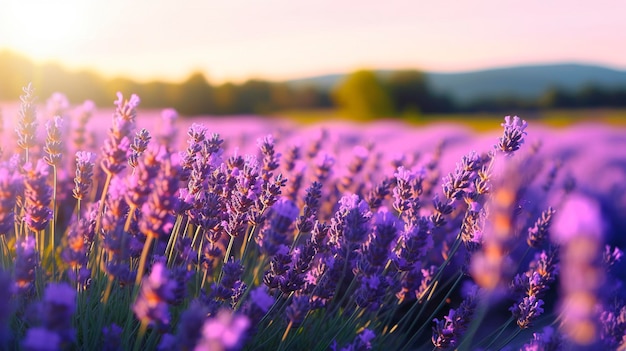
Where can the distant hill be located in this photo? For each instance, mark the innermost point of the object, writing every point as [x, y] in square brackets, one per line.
[520, 81]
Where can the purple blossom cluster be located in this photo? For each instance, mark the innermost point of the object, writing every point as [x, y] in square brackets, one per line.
[298, 241]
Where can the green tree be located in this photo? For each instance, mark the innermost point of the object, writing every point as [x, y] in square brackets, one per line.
[195, 96]
[362, 95]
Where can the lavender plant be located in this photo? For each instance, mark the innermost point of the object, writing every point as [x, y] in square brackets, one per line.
[291, 246]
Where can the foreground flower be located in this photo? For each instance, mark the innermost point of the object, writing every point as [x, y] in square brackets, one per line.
[55, 312]
[84, 174]
[26, 262]
[224, 331]
[5, 305]
[157, 290]
[578, 231]
[38, 196]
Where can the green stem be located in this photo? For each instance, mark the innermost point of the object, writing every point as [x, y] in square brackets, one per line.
[142, 331]
[78, 209]
[142, 260]
[247, 238]
[499, 331]
[54, 215]
[476, 321]
[430, 318]
[105, 189]
[97, 260]
[171, 242]
[226, 257]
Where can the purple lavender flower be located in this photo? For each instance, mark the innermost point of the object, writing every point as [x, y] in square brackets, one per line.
[611, 257]
[513, 136]
[448, 331]
[224, 331]
[231, 287]
[362, 342]
[538, 234]
[578, 228]
[79, 137]
[443, 331]
[376, 250]
[270, 157]
[371, 291]
[613, 326]
[415, 241]
[38, 195]
[151, 306]
[54, 142]
[26, 261]
[11, 184]
[158, 211]
[407, 189]
[306, 221]
[76, 252]
[323, 167]
[84, 174]
[139, 146]
[548, 340]
[114, 154]
[441, 209]
[296, 177]
[57, 309]
[57, 104]
[297, 311]
[276, 231]
[112, 336]
[527, 310]
[189, 330]
[378, 193]
[27, 123]
[355, 166]
[460, 183]
[261, 298]
[117, 145]
[6, 309]
[41, 339]
[414, 283]
[292, 155]
[350, 223]
[139, 184]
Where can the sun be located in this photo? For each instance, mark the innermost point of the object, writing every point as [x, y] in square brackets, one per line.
[42, 28]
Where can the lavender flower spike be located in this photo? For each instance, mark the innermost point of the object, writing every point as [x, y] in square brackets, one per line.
[54, 141]
[27, 122]
[84, 173]
[38, 195]
[157, 289]
[513, 136]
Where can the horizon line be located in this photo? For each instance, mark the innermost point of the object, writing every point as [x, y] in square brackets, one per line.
[304, 76]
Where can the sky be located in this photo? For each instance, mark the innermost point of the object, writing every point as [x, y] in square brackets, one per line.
[234, 40]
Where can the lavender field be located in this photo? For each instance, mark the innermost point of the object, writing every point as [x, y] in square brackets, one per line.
[125, 229]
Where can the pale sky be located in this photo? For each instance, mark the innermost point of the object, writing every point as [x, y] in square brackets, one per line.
[282, 39]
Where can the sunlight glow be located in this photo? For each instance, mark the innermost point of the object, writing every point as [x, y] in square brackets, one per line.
[43, 28]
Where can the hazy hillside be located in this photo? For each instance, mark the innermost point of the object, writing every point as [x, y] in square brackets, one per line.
[522, 81]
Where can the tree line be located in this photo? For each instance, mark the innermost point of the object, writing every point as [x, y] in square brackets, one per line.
[362, 94]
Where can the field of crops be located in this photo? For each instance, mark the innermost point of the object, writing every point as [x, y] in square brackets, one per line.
[124, 229]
